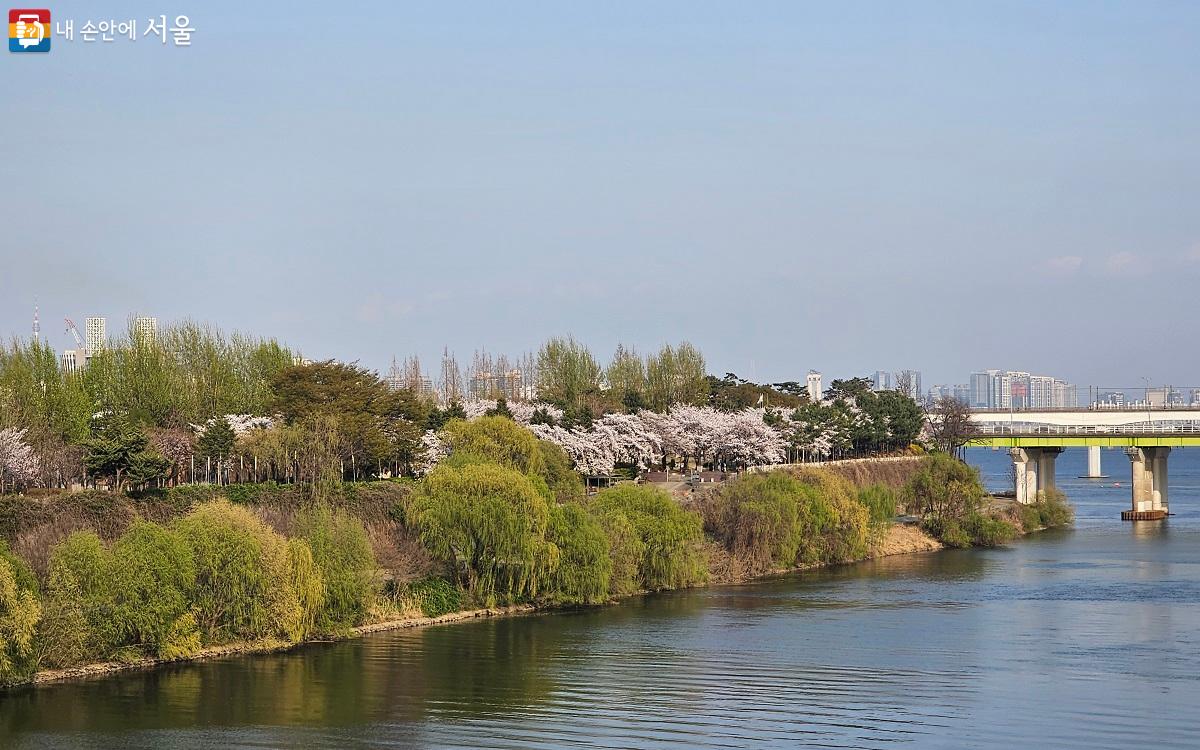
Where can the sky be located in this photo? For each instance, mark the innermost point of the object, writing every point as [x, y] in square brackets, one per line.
[840, 186]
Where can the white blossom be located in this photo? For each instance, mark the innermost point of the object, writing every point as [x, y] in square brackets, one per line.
[19, 464]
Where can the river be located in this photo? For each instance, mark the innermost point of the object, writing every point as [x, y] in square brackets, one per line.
[1084, 638]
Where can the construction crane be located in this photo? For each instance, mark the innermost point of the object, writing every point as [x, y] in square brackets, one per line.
[71, 329]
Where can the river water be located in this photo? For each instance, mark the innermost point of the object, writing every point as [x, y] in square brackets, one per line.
[1084, 638]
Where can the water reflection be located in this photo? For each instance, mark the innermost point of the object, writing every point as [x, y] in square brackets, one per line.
[1083, 638]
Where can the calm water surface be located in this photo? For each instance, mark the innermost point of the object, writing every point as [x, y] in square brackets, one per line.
[1086, 638]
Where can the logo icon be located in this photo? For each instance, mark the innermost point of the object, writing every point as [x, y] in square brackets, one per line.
[29, 30]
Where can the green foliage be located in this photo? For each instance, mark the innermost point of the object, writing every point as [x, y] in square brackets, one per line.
[78, 595]
[944, 486]
[19, 615]
[343, 554]
[834, 526]
[880, 502]
[757, 518]
[670, 535]
[564, 482]
[245, 585]
[567, 372]
[500, 409]
[676, 375]
[972, 530]
[150, 578]
[116, 446]
[498, 440]
[1051, 511]
[309, 584]
[584, 567]
[217, 440]
[988, 531]
[22, 573]
[489, 521]
[436, 596]
[625, 550]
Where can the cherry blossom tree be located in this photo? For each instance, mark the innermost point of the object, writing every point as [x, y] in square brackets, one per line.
[19, 465]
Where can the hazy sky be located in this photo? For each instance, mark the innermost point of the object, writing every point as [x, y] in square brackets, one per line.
[840, 186]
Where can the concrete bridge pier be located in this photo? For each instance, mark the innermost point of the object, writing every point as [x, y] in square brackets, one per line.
[1149, 482]
[1094, 471]
[1033, 470]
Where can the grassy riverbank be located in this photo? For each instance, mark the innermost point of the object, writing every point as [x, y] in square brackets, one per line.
[900, 539]
[95, 583]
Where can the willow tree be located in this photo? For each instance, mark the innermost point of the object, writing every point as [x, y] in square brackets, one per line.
[489, 522]
[671, 536]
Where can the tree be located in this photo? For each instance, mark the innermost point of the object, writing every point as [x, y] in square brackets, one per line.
[19, 465]
[944, 487]
[950, 425]
[567, 372]
[676, 376]
[499, 440]
[217, 440]
[626, 376]
[116, 446]
[19, 614]
[500, 409]
[489, 522]
[343, 553]
[248, 581]
[670, 536]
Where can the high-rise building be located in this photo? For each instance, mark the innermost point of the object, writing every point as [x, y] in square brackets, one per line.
[69, 362]
[1041, 391]
[814, 386]
[882, 381]
[95, 334]
[145, 328]
[981, 389]
[908, 382]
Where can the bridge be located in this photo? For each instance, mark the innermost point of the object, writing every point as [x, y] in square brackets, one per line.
[1034, 438]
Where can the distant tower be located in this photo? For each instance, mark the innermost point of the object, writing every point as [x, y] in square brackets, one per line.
[97, 336]
[145, 329]
[37, 326]
[814, 386]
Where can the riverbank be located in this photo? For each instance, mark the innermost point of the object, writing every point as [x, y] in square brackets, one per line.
[901, 539]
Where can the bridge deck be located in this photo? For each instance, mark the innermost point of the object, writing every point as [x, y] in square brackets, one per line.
[1083, 441]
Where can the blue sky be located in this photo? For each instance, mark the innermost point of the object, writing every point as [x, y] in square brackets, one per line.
[840, 186]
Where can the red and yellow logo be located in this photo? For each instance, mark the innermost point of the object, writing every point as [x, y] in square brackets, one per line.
[29, 30]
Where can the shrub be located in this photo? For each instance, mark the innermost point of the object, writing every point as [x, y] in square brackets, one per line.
[625, 551]
[880, 502]
[948, 531]
[1049, 512]
[310, 587]
[19, 614]
[834, 526]
[757, 518]
[342, 551]
[583, 570]
[245, 585]
[944, 486]
[150, 580]
[671, 536]
[78, 597]
[987, 531]
[436, 596]
[489, 521]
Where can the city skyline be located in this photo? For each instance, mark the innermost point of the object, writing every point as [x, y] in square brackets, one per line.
[750, 186]
[1035, 391]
